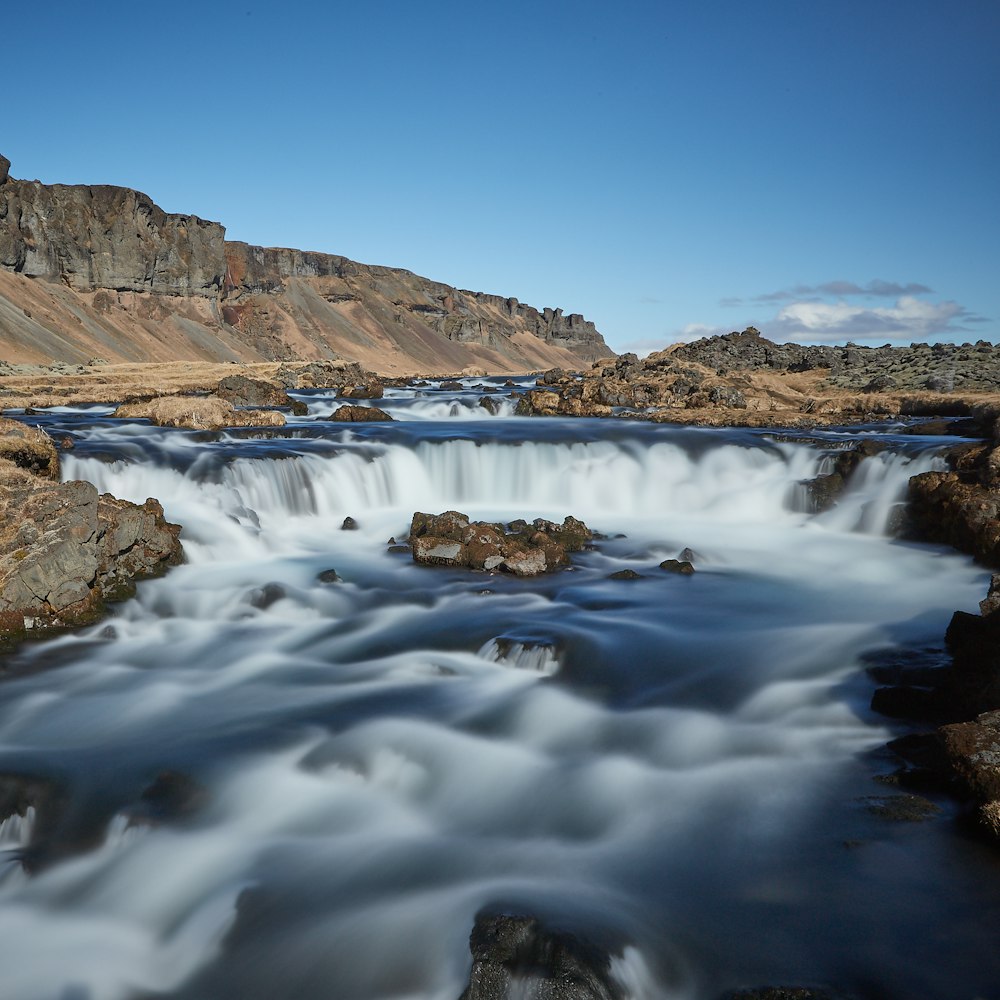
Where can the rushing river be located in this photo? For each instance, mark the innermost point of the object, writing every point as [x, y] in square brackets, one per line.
[679, 768]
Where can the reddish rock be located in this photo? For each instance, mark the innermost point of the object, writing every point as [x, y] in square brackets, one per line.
[450, 539]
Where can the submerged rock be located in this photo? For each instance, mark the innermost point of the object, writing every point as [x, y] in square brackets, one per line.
[515, 956]
[519, 548]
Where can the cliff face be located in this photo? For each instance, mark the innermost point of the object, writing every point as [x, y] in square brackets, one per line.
[124, 280]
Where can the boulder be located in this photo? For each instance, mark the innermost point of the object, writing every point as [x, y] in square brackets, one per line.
[519, 548]
[240, 390]
[204, 413]
[358, 414]
[682, 566]
[973, 749]
[370, 389]
[515, 956]
[64, 550]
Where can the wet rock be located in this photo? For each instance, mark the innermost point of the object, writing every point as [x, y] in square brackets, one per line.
[682, 566]
[28, 448]
[349, 524]
[358, 414]
[197, 412]
[515, 956]
[328, 576]
[973, 748]
[452, 386]
[519, 548]
[490, 405]
[901, 808]
[625, 574]
[262, 598]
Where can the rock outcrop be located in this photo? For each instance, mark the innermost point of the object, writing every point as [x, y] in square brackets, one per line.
[519, 548]
[124, 280]
[745, 380]
[64, 550]
[204, 413]
[515, 956]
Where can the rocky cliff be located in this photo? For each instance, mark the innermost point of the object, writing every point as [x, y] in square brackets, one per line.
[102, 271]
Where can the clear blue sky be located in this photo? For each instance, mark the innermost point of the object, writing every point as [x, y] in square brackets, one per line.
[825, 170]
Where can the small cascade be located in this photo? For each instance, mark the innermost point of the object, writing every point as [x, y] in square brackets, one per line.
[16, 830]
[535, 657]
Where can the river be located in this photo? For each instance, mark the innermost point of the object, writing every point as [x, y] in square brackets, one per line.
[681, 769]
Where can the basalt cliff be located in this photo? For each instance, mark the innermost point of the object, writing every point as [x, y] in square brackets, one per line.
[101, 271]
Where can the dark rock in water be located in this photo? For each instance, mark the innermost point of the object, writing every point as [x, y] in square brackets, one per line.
[489, 404]
[625, 574]
[349, 524]
[263, 597]
[904, 701]
[523, 549]
[452, 386]
[682, 566]
[358, 414]
[399, 550]
[328, 576]
[517, 957]
[299, 409]
[689, 555]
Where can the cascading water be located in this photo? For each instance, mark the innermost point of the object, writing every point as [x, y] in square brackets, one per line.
[670, 766]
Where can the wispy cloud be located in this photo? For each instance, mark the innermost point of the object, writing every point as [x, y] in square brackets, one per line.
[876, 288]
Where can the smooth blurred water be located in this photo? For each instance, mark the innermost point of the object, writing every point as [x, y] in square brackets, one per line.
[675, 767]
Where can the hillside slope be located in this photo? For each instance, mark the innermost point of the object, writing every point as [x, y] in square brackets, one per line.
[101, 271]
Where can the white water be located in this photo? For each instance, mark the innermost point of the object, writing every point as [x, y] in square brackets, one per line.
[386, 755]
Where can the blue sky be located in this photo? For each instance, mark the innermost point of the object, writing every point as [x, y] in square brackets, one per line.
[827, 171]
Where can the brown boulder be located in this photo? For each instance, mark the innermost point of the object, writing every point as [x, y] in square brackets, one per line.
[358, 414]
[240, 390]
[973, 749]
[205, 413]
[370, 389]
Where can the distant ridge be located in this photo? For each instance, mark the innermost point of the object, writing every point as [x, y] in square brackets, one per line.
[101, 271]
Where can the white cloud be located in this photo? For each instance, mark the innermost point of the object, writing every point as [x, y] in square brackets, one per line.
[910, 318]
